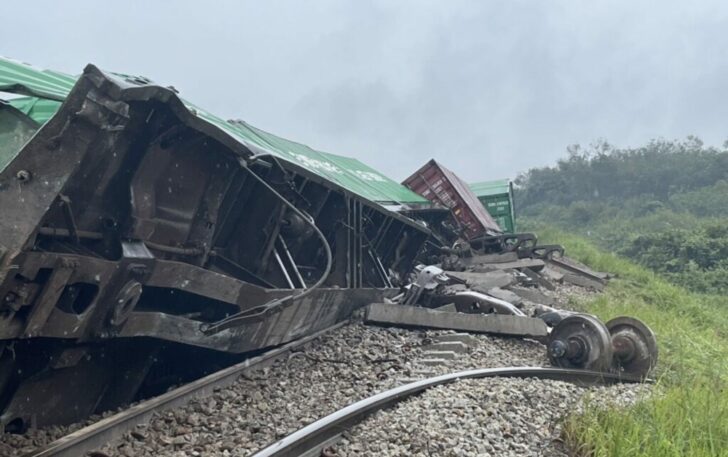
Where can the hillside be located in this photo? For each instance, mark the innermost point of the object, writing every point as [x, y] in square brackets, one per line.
[657, 217]
[663, 205]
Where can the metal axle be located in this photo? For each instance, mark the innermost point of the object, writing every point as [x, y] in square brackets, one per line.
[624, 344]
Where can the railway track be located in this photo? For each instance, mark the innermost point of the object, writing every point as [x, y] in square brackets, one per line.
[365, 359]
[314, 438]
[94, 436]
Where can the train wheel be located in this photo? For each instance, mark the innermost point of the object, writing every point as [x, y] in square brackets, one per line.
[581, 341]
[634, 345]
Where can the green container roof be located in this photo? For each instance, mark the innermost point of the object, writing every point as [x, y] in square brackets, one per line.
[45, 88]
[487, 188]
[25, 79]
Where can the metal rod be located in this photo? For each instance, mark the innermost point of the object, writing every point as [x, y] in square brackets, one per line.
[70, 220]
[283, 268]
[290, 259]
[173, 249]
[89, 235]
[65, 233]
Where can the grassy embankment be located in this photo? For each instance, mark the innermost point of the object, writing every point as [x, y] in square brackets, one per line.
[690, 415]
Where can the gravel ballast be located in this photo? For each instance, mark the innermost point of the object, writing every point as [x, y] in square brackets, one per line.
[479, 417]
[344, 366]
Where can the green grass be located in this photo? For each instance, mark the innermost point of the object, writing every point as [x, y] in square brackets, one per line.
[689, 415]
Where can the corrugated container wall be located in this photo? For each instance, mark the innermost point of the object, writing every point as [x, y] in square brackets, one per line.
[497, 199]
[441, 186]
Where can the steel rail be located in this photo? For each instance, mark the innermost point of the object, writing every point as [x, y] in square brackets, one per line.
[315, 436]
[576, 270]
[100, 433]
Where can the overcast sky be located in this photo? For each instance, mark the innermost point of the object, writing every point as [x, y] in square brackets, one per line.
[488, 88]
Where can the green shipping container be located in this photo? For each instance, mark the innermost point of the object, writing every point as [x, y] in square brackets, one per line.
[497, 198]
[45, 90]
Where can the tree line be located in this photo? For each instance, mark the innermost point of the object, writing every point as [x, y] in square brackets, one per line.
[664, 205]
[603, 172]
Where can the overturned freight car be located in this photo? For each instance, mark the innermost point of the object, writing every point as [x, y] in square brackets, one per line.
[138, 228]
[459, 218]
[443, 187]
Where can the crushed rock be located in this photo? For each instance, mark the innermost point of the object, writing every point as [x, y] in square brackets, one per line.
[345, 366]
[480, 417]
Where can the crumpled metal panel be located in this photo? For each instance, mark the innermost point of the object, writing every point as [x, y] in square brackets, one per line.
[350, 174]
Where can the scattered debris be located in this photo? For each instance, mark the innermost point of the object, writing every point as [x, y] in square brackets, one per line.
[412, 316]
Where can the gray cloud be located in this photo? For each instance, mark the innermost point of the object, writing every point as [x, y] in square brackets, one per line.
[489, 88]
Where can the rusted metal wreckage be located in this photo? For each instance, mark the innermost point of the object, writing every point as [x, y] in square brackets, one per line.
[146, 242]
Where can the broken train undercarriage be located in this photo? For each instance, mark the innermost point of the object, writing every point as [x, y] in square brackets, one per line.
[145, 243]
[133, 230]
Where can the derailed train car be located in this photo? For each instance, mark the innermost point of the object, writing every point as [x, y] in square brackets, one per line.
[138, 230]
[458, 218]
